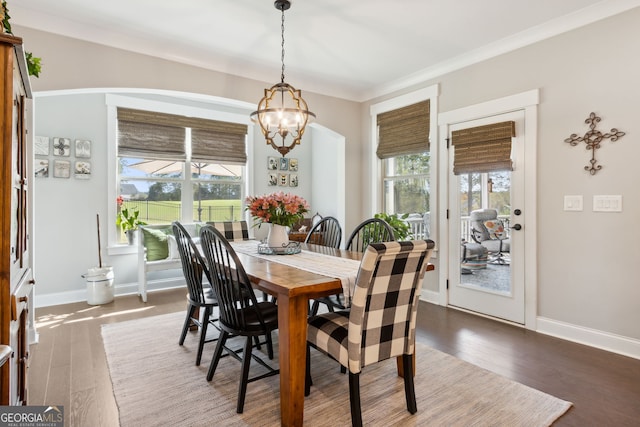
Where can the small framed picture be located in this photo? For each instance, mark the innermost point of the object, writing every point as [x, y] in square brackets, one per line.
[284, 164]
[293, 180]
[83, 148]
[41, 168]
[272, 163]
[283, 180]
[61, 169]
[61, 147]
[273, 179]
[41, 146]
[293, 165]
[82, 170]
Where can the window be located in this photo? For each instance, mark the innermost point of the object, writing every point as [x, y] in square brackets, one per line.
[190, 170]
[403, 148]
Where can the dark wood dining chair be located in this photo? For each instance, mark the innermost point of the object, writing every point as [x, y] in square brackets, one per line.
[240, 312]
[372, 230]
[326, 232]
[200, 296]
[381, 321]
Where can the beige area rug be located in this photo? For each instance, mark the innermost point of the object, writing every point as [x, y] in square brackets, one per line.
[156, 383]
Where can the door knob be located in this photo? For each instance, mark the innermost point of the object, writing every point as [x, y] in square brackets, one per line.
[516, 227]
[517, 212]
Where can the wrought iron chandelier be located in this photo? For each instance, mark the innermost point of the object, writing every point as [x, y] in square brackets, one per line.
[282, 111]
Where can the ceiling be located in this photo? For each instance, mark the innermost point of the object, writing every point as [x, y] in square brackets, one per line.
[352, 49]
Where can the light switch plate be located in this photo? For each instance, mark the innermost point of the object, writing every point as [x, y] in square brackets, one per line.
[607, 203]
[573, 203]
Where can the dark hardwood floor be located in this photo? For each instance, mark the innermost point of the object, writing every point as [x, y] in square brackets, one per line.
[68, 367]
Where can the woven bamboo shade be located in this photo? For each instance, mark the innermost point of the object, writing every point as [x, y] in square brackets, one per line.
[403, 131]
[152, 141]
[151, 134]
[484, 148]
[210, 145]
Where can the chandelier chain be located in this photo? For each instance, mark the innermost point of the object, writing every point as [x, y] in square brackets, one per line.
[282, 46]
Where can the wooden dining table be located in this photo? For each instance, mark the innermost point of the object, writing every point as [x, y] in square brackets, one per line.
[293, 287]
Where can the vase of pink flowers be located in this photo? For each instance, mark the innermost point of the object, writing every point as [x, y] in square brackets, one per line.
[281, 211]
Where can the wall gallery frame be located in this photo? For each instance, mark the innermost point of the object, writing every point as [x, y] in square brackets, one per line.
[272, 163]
[41, 168]
[62, 147]
[82, 170]
[41, 146]
[83, 148]
[281, 179]
[61, 168]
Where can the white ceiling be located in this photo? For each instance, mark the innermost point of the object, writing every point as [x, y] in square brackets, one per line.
[353, 49]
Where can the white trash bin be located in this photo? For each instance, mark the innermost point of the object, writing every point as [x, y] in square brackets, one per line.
[99, 285]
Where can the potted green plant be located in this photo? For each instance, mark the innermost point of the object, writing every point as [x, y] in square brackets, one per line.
[127, 220]
[401, 228]
[34, 65]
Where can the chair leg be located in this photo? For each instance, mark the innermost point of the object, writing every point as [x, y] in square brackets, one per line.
[269, 345]
[354, 398]
[187, 322]
[308, 382]
[244, 376]
[314, 308]
[222, 340]
[256, 342]
[409, 388]
[203, 334]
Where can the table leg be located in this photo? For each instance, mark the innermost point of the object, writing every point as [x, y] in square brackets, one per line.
[401, 367]
[292, 335]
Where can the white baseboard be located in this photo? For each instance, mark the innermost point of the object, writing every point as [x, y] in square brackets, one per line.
[67, 297]
[603, 340]
[430, 296]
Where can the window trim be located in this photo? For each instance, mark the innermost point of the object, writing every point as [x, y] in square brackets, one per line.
[217, 112]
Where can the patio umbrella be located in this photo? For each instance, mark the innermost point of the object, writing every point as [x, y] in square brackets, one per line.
[152, 167]
[170, 166]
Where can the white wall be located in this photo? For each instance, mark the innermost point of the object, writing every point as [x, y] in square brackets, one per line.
[72, 230]
[587, 281]
[588, 285]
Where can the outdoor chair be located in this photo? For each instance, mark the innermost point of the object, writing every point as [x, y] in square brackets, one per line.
[381, 321]
[489, 231]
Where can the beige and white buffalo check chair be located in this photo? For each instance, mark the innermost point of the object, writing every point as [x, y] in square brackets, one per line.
[382, 318]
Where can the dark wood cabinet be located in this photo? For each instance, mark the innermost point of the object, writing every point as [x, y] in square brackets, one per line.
[16, 274]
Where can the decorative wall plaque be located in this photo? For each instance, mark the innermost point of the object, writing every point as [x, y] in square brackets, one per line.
[593, 138]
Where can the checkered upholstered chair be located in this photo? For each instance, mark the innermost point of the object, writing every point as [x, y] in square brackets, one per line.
[241, 315]
[369, 231]
[200, 296]
[381, 321]
[232, 230]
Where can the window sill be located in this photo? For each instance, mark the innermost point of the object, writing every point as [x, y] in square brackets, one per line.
[122, 249]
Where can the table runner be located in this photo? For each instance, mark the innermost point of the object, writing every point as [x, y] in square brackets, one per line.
[327, 265]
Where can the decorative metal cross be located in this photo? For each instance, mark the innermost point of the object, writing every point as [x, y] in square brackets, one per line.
[593, 138]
